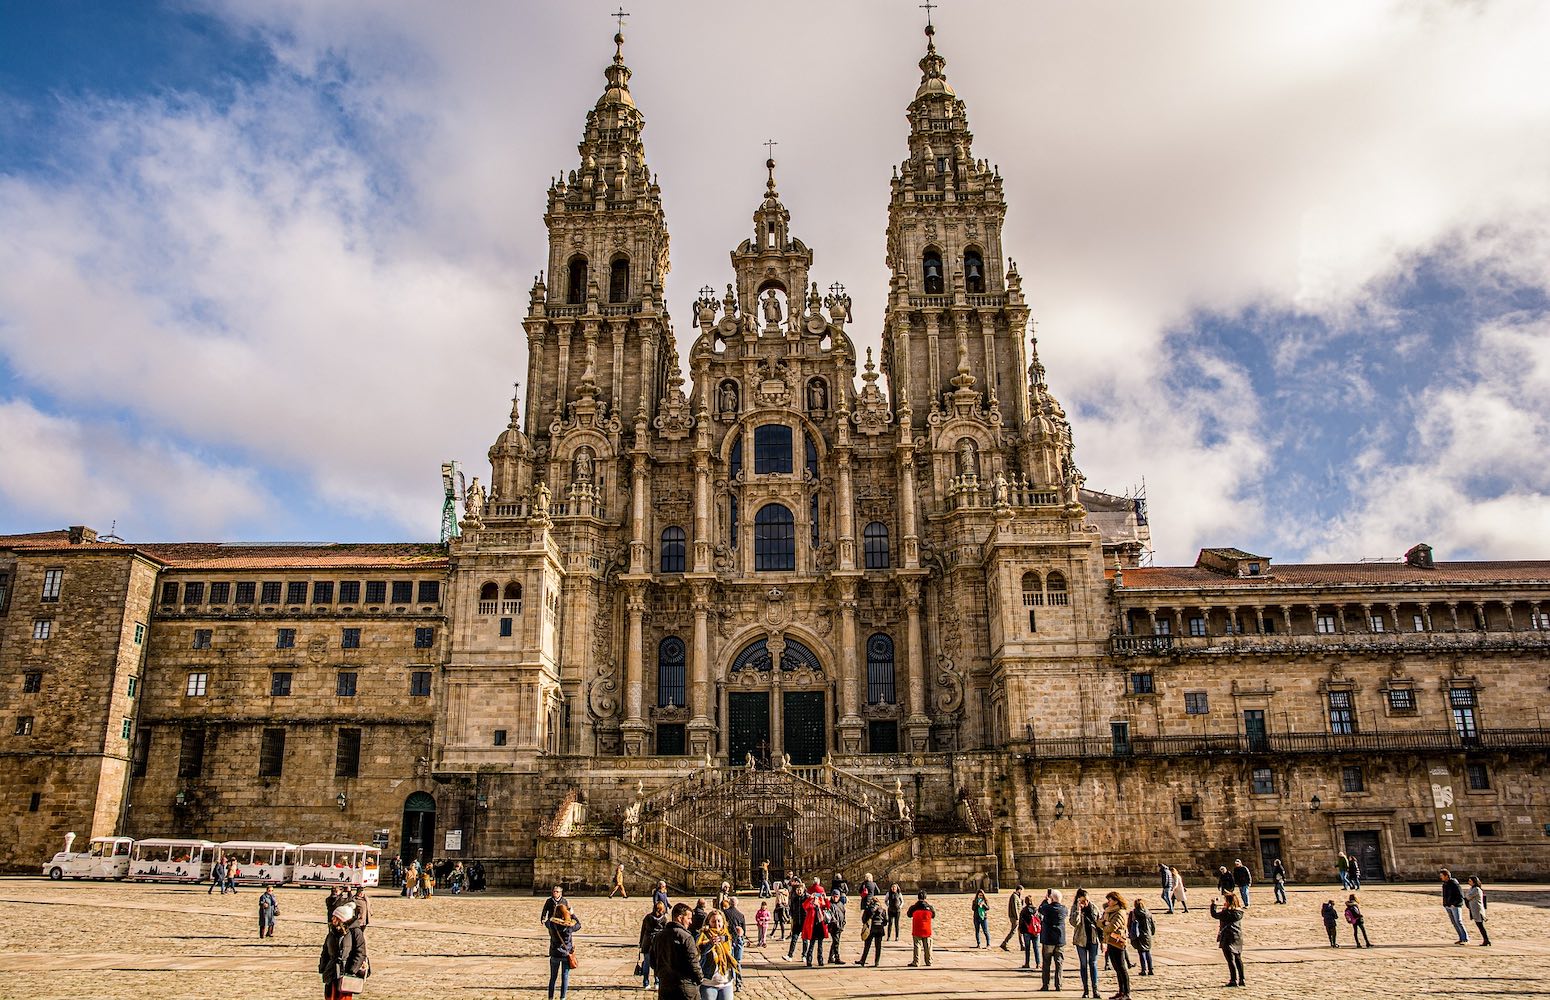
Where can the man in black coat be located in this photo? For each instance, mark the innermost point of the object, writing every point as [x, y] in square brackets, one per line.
[1241, 880]
[676, 959]
[556, 897]
[797, 900]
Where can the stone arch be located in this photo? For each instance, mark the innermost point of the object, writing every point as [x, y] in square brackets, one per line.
[576, 280]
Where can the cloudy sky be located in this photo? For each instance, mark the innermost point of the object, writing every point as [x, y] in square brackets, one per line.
[263, 262]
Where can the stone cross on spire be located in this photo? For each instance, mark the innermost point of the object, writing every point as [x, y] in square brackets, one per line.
[620, 14]
[928, 7]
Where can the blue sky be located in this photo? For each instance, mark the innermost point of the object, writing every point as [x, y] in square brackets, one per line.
[262, 264]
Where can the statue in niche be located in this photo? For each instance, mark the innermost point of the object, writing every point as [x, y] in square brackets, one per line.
[583, 466]
[728, 402]
[817, 395]
[772, 311]
[968, 459]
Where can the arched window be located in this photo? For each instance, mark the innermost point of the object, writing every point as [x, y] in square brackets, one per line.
[619, 279]
[774, 538]
[771, 449]
[673, 549]
[812, 517]
[670, 673]
[489, 592]
[735, 461]
[973, 270]
[879, 670]
[1055, 587]
[931, 269]
[576, 281]
[756, 656]
[513, 591]
[811, 454]
[1033, 597]
[874, 545]
[732, 517]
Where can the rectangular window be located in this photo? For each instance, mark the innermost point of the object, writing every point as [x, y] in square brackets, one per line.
[197, 683]
[500, 737]
[1351, 779]
[220, 593]
[505, 628]
[1401, 700]
[1479, 777]
[403, 591]
[1164, 627]
[34, 802]
[191, 753]
[124, 730]
[1418, 623]
[670, 739]
[142, 753]
[350, 638]
[1033, 620]
[1487, 829]
[424, 638]
[430, 591]
[376, 591]
[32, 681]
[1197, 626]
[1270, 625]
[1342, 716]
[53, 581]
[280, 684]
[1539, 620]
[1188, 812]
[347, 756]
[271, 754]
[420, 684]
[1196, 703]
[24, 725]
[134, 686]
[244, 594]
[269, 593]
[772, 449]
[42, 628]
[349, 591]
[1420, 831]
[1375, 623]
[285, 638]
[1140, 683]
[1462, 701]
[296, 592]
[1264, 781]
[344, 687]
[1324, 624]
[202, 638]
[169, 593]
[139, 633]
[323, 592]
[193, 593]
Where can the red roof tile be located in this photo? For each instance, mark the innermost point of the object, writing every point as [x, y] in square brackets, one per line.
[1335, 574]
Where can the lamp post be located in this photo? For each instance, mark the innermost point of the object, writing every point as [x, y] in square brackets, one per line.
[1315, 802]
[1060, 808]
[342, 801]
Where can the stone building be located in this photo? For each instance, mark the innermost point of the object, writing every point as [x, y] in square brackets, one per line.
[734, 605]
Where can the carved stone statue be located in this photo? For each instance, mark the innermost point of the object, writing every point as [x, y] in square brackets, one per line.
[817, 395]
[583, 473]
[473, 501]
[968, 459]
[728, 405]
[772, 311]
[1000, 490]
[541, 503]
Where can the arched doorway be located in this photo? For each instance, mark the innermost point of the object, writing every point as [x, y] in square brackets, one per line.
[766, 712]
[419, 839]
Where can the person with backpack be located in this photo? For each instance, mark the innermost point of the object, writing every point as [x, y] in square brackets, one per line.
[1028, 928]
[920, 914]
[1353, 916]
[1142, 930]
[875, 933]
[1331, 915]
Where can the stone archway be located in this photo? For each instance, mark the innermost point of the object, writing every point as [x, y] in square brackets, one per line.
[777, 700]
[419, 836]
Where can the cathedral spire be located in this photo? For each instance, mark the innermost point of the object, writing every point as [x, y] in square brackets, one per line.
[932, 79]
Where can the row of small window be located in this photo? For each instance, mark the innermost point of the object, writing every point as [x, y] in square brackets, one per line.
[1342, 711]
[1327, 624]
[280, 681]
[271, 753]
[778, 535]
[295, 592]
[26, 723]
[350, 638]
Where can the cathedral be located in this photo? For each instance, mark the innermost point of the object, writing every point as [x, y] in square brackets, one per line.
[775, 600]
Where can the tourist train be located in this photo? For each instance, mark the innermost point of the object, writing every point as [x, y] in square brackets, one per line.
[250, 862]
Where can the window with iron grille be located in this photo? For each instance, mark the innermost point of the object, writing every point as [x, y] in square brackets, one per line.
[349, 591]
[1196, 703]
[220, 593]
[32, 681]
[1401, 700]
[772, 446]
[1263, 781]
[403, 591]
[879, 670]
[169, 593]
[1141, 683]
[350, 638]
[269, 593]
[671, 655]
[1479, 777]
[193, 593]
[296, 592]
[53, 581]
[191, 753]
[323, 592]
[1342, 716]
[674, 542]
[376, 591]
[271, 753]
[420, 684]
[1462, 701]
[285, 638]
[430, 591]
[1352, 779]
[280, 684]
[203, 637]
[774, 538]
[198, 682]
[244, 592]
[424, 638]
[347, 755]
[874, 545]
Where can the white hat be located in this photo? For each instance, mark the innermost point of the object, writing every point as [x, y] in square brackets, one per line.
[345, 913]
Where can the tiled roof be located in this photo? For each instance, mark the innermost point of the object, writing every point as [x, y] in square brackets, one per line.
[1232, 553]
[1335, 574]
[224, 555]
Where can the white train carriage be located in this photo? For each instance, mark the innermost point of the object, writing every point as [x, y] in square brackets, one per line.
[338, 864]
[104, 858]
[165, 860]
[259, 862]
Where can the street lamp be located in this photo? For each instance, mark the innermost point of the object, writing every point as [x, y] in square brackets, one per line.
[342, 801]
[1315, 802]
[180, 799]
[1060, 808]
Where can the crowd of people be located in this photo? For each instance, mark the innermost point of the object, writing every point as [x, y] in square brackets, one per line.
[418, 880]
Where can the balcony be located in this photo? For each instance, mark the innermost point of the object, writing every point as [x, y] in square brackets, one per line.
[1230, 744]
[500, 607]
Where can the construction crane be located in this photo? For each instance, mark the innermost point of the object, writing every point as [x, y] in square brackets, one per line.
[454, 489]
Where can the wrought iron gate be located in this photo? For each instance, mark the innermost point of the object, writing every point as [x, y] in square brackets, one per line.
[806, 740]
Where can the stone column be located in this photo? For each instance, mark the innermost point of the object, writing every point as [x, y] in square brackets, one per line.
[1394, 614]
[1453, 611]
[917, 727]
[1482, 624]
[851, 725]
[847, 525]
[911, 548]
[634, 727]
[701, 735]
[702, 502]
[1367, 617]
[639, 500]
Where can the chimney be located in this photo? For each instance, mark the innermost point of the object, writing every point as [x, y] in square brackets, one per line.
[1420, 556]
[81, 533]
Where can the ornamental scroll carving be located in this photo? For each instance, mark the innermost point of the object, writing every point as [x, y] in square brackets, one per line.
[603, 688]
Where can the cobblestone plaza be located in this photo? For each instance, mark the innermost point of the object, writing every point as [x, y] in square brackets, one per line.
[164, 942]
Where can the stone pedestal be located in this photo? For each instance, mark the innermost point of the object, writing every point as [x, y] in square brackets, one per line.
[633, 732]
[702, 738]
[917, 734]
[851, 729]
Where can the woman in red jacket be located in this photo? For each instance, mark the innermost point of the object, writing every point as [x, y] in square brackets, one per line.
[815, 929]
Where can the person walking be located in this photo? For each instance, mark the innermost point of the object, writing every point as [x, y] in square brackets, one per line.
[1474, 897]
[1229, 937]
[1241, 880]
[869, 892]
[876, 932]
[659, 895]
[1052, 936]
[343, 963]
[362, 906]
[1331, 915]
[1343, 869]
[895, 907]
[333, 900]
[921, 914]
[1086, 937]
[979, 908]
[1353, 871]
[764, 879]
[780, 912]
[618, 883]
[837, 919]
[1224, 882]
[217, 877]
[650, 926]
[815, 924]
[1166, 875]
[1278, 875]
[761, 920]
[1028, 927]
[1353, 916]
[1114, 923]
[676, 958]
[1142, 930]
[1014, 909]
[1453, 904]
[697, 923]
[718, 963]
[798, 905]
[563, 925]
[737, 929]
[268, 909]
[1180, 895]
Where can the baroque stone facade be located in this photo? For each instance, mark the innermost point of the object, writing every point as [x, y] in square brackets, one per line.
[742, 557]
